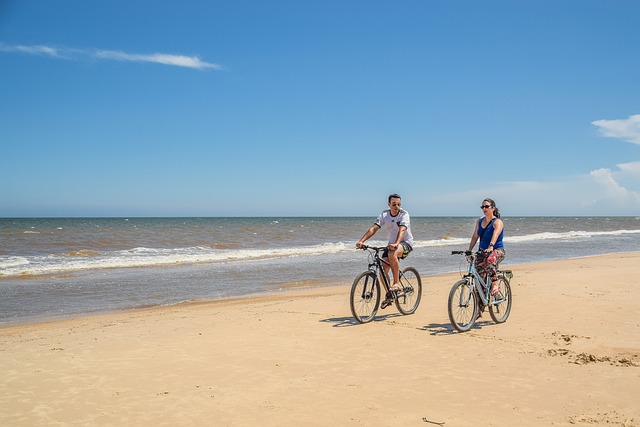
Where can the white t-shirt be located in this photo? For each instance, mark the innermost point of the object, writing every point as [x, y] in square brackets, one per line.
[393, 223]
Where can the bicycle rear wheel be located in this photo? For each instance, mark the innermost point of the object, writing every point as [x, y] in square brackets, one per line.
[365, 296]
[463, 305]
[408, 301]
[500, 305]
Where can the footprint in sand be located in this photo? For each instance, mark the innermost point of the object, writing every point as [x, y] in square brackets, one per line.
[566, 339]
[600, 418]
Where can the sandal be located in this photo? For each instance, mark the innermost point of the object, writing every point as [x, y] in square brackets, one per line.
[495, 290]
[389, 297]
[395, 288]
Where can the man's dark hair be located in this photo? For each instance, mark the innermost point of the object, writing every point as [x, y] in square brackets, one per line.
[394, 196]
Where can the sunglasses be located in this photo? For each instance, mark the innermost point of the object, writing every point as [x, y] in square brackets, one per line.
[485, 207]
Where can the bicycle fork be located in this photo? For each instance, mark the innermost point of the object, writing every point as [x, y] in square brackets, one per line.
[369, 286]
[465, 298]
[473, 286]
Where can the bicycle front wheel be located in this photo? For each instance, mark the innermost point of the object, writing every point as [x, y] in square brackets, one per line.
[365, 296]
[463, 305]
[500, 305]
[408, 301]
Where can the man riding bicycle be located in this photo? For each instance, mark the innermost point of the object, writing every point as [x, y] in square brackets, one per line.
[397, 222]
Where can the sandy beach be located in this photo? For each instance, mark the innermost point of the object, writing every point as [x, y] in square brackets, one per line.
[568, 355]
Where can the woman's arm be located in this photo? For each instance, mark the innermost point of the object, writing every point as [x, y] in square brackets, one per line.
[474, 237]
[498, 225]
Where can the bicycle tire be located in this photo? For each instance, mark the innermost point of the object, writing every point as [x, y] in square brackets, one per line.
[365, 297]
[407, 302]
[463, 305]
[500, 305]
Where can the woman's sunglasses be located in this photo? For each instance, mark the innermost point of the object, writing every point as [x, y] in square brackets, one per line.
[485, 207]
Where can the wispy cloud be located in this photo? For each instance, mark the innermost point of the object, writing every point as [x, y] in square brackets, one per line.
[158, 58]
[113, 55]
[32, 50]
[632, 168]
[612, 190]
[604, 191]
[625, 129]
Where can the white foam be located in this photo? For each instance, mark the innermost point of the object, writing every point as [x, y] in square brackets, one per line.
[569, 235]
[150, 257]
[16, 266]
[12, 262]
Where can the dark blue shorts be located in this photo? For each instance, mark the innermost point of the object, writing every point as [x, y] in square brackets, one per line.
[407, 250]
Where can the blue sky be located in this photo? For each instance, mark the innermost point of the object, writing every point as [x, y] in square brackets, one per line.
[296, 108]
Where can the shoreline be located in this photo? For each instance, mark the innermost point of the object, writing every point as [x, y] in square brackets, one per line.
[569, 355]
[283, 291]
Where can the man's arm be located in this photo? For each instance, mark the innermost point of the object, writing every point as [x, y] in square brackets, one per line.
[401, 231]
[370, 232]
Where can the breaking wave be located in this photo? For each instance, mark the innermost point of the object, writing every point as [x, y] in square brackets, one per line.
[82, 259]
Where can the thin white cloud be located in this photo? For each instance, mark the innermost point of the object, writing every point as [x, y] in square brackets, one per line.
[69, 54]
[32, 50]
[625, 129]
[158, 58]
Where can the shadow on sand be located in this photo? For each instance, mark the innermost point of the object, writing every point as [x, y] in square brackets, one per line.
[340, 322]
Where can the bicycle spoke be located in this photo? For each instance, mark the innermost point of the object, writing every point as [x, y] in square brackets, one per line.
[462, 306]
[409, 298]
[465, 304]
[500, 306]
[365, 296]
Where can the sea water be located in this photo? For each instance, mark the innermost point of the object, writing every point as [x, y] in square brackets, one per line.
[69, 266]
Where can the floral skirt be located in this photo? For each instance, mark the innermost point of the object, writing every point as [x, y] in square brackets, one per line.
[487, 262]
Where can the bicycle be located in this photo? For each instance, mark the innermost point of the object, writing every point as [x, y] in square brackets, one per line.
[470, 296]
[365, 291]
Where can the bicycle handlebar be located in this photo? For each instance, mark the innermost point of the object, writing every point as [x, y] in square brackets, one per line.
[467, 253]
[373, 248]
[381, 248]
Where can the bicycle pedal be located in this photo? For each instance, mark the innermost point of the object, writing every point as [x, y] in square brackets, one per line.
[386, 303]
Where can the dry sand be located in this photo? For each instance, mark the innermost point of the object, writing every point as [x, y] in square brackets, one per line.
[569, 355]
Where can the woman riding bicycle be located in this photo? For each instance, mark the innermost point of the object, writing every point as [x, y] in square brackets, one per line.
[490, 231]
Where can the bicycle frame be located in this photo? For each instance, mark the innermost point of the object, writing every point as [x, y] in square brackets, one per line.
[483, 288]
[366, 289]
[480, 285]
[472, 292]
[376, 267]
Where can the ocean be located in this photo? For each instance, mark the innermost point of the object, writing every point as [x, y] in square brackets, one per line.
[51, 267]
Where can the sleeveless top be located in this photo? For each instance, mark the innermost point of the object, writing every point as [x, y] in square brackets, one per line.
[485, 240]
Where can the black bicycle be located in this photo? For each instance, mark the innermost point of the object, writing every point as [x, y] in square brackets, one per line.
[365, 292]
[472, 294]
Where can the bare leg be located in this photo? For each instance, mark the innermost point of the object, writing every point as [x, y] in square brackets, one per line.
[384, 272]
[394, 262]
[389, 296]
